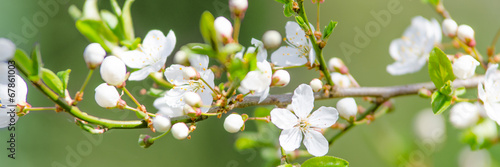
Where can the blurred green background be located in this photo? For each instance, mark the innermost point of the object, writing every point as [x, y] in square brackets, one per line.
[46, 138]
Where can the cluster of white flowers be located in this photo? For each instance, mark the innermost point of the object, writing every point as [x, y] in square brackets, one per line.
[412, 50]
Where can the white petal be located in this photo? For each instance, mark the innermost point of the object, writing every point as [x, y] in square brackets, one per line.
[252, 81]
[288, 56]
[164, 109]
[290, 139]
[264, 95]
[200, 62]
[7, 49]
[134, 59]
[303, 100]
[174, 97]
[141, 74]
[295, 34]
[283, 118]
[312, 55]
[481, 94]
[169, 43]
[323, 117]
[206, 98]
[493, 111]
[315, 143]
[154, 39]
[262, 52]
[406, 66]
[208, 76]
[173, 74]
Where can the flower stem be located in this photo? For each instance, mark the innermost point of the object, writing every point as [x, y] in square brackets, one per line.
[161, 81]
[157, 137]
[284, 159]
[39, 109]
[288, 67]
[317, 17]
[139, 112]
[237, 25]
[319, 52]
[131, 96]
[206, 83]
[87, 79]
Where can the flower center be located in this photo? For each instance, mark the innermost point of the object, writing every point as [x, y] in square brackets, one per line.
[303, 124]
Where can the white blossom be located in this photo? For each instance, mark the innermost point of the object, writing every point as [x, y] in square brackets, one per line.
[465, 67]
[301, 123]
[180, 130]
[151, 55]
[106, 96]
[280, 78]
[161, 123]
[113, 71]
[486, 130]
[223, 27]
[7, 49]
[474, 158]
[412, 50]
[173, 101]
[464, 115]
[238, 6]
[489, 93]
[233, 123]
[181, 58]
[21, 91]
[189, 73]
[465, 33]
[336, 64]
[299, 50]
[316, 84]
[450, 27]
[347, 108]
[271, 39]
[94, 55]
[430, 127]
[258, 80]
[340, 80]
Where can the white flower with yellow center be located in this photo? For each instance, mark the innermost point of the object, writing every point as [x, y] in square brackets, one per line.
[299, 49]
[412, 50]
[489, 93]
[301, 123]
[260, 79]
[150, 56]
[173, 101]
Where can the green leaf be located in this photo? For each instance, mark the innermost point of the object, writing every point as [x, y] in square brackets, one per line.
[208, 31]
[126, 20]
[447, 89]
[302, 23]
[116, 8]
[97, 32]
[132, 45]
[440, 102]
[283, 1]
[328, 30]
[286, 165]
[440, 70]
[288, 9]
[325, 161]
[37, 62]
[74, 12]
[237, 70]
[433, 2]
[52, 81]
[113, 23]
[245, 142]
[64, 77]
[459, 91]
[199, 48]
[23, 62]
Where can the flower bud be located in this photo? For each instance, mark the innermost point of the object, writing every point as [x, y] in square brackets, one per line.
[238, 7]
[233, 123]
[190, 111]
[189, 73]
[340, 80]
[465, 67]
[161, 123]
[106, 96]
[450, 27]
[464, 115]
[223, 27]
[113, 71]
[347, 108]
[181, 58]
[316, 84]
[180, 130]
[280, 78]
[336, 64]
[192, 99]
[466, 34]
[430, 127]
[486, 130]
[271, 39]
[93, 55]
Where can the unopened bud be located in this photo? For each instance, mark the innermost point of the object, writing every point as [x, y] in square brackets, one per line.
[316, 84]
[189, 73]
[93, 55]
[192, 99]
[336, 64]
[464, 115]
[450, 27]
[113, 71]
[271, 39]
[465, 67]
[425, 93]
[233, 123]
[466, 34]
[347, 108]
[106, 96]
[180, 130]
[238, 7]
[223, 27]
[341, 81]
[161, 123]
[280, 78]
[181, 58]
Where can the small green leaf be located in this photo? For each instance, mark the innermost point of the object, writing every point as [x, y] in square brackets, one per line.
[301, 23]
[328, 30]
[64, 77]
[325, 161]
[288, 11]
[440, 102]
[132, 45]
[237, 69]
[433, 2]
[37, 62]
[208, 31]
[126, 20]
[113, 23]
[286, 165]
[97, 31]
[23, 62]
[52, 81]
[459, 91]
[440, 70]
[447, 88]
[199, 48]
